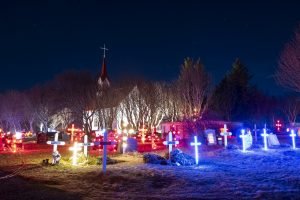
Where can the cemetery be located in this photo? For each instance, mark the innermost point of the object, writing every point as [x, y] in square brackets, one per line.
[150, 100]
[242, 167]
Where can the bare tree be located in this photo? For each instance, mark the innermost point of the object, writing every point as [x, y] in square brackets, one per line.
[154, 103]
[291, 108]
[12, 111]
[288, 72]
[43, 105]
[171, 102]
[77, 93]
[194, 88]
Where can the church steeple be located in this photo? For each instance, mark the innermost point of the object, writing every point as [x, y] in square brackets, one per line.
[103, 80]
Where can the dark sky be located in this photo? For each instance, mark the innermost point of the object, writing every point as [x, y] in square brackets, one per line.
[42, 38]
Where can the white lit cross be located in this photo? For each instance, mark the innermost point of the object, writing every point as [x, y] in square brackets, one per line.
[85, 145]
[243, 136]
[225, 134]
[265, 135]
[55, 142]
[196, 144]
[170, 142]
[293, 135]
[104, 50]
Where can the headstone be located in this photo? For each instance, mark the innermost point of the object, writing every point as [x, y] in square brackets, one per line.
[210, 135]
[132, 145]
[247, 140]
[273, 140]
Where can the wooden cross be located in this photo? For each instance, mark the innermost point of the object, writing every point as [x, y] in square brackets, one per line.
[196, 144]
[76, 148]
[265, 135]
[293, 135]
[104, 143]
[55, 142]
[225, 134]
[73, 130]
[85, 145]
[170, 142]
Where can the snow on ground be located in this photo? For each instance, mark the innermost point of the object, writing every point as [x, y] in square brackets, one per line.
[221, 174]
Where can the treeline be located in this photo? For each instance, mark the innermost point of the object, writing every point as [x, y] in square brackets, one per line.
[75, 97]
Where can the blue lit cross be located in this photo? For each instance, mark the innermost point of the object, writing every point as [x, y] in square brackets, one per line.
[196, 144]
[104, 144]
[170, 142]
[293, 135]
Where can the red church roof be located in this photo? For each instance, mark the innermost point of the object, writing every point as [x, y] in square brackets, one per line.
[104, 74]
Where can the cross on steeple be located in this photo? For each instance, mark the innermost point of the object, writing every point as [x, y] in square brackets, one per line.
[104, 50]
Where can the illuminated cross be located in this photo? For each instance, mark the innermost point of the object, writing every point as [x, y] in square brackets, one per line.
[243, 136]
[196, 144]
[73, 130]
[170, 142]
[293, 135]
[225, 134]
[143, 134]
[255, 132]
[124, 143]
[265, 135]
[76, 148]
[278, 125]
[104, 144]
[85, 145]
[104, 50]
[55, 142]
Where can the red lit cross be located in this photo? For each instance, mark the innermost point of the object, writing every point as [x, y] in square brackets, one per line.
[73, 130]
[278, 125]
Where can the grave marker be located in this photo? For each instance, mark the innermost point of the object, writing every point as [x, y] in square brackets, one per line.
[265, 135]
[104, 143]
[293, 135]
[196, 144]
[55, 142]
[225, 134]
[170, 142]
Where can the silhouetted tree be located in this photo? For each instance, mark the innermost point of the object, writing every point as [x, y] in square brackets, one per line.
[231, 97]
[288, 72]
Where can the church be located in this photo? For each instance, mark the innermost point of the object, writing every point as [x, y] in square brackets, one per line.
[111, 115]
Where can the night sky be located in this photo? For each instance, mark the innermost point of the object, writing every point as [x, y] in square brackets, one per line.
[40, 39]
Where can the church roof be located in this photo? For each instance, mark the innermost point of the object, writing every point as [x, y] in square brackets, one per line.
[104, 74]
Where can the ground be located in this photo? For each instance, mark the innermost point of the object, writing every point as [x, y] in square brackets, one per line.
[221, 174]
